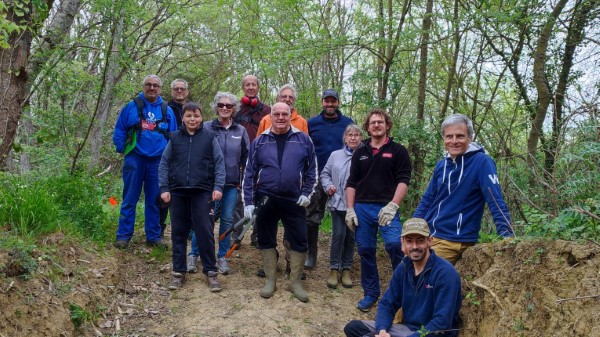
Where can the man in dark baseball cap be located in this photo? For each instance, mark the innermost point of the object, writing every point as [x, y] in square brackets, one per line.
[330, 93]
[424, 285]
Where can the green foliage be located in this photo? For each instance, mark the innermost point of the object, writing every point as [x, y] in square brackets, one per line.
[21, 261]
[84, 204]
[28, 207]
[79, 315]
[75, 204]
[471, 296]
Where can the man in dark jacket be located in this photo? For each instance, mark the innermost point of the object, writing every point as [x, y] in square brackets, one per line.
[280, 177]
[179, 94]
[424, 285]
[327, 133]
[378, 182]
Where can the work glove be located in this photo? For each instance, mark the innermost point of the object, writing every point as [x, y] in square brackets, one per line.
[351, 219]
[387, 213]
[248, 211]
[303, 201]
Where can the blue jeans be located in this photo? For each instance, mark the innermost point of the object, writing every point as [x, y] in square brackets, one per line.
[366, 241]
[139, 171]
[191, 210]
[341, 253]
[227, 206]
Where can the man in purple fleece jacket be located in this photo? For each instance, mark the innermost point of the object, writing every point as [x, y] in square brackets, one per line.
[425, 286]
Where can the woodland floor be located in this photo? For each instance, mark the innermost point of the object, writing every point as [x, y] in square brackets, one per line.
[526, 288]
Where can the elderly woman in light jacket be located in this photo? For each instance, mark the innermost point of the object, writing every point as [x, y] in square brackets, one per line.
[333, 179]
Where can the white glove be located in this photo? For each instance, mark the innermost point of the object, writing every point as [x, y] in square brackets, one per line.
[387, 213]
[248, 211]
[303, 201]
[351, 219]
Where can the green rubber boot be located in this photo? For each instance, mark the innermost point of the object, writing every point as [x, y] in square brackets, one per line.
[270, 266]
[297, 267]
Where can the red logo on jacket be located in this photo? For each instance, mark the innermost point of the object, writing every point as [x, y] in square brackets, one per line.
[386, 155]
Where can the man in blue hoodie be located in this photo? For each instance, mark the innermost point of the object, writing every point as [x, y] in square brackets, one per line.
[426, 287]
[142, 137]
[461, 184]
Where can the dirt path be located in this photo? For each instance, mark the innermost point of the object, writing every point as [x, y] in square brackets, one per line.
[238, 310]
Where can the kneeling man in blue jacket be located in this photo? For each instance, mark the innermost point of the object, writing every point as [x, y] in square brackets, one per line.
[425, 286]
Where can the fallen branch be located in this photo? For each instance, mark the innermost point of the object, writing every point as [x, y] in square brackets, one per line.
[560, 300]
[486, 288]
[105, 171]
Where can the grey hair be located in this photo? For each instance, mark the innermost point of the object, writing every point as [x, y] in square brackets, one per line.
[287, 86]
[457, 119]
[350, 128]
[179, 80]
[245, 76]
[152, 76]
[229, 96]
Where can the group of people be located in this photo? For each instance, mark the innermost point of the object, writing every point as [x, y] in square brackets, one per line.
[290, 170]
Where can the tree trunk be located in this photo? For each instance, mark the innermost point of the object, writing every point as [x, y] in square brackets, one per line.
[541, 83]
[417, 149]
[13, 79]
[110, 79]
[575, 34]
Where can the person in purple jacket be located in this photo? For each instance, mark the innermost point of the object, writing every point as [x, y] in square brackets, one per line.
[462, 183]
[425, 286]
[281, 174]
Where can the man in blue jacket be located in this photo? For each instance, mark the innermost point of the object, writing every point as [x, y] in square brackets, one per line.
[327, 133]
[425, 286]
[461, 184]
[280, 177]
[142, 137]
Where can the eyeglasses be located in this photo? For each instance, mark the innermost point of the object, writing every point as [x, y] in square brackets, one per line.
[287, 97]
[223, 105]
[179, 89]
[152, 85]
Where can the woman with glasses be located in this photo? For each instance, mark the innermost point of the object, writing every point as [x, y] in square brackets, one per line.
[234, 142]
[333, 179]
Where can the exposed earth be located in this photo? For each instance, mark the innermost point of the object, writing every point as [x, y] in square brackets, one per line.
[515, 288]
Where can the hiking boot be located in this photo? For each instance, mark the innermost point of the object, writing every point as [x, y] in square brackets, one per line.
[158, 244]
[366, 303]
[346, 279]
[121, 244]
[177, 281]
[213, 284]
[192, 264]
[332, 281]
[223, 265]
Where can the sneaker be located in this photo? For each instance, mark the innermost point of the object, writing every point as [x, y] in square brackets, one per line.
[223, 265]
[213, 283]
[177, 281]
[158, 244]
[192, 264]
[366, 303]
[121, 244]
